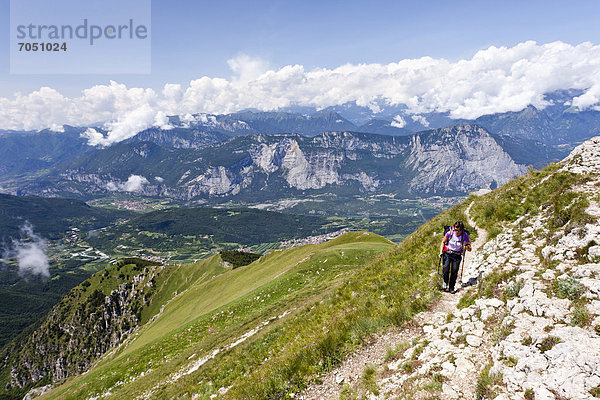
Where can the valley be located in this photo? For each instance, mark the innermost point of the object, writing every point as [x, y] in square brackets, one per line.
[240, 200]
[88, 239]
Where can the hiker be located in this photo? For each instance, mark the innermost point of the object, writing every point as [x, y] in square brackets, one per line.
[455, 243]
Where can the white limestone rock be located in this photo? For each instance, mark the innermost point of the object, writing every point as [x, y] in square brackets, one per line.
[493, 302]
[448, 369]
[548, 275]
[594, 307]
[463, 366]
[473, 340]
[594, 253]
[486, 313]
[541, 392]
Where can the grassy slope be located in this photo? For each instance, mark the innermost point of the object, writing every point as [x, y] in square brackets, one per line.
[214, 308]
[24, 301]
[549, 189]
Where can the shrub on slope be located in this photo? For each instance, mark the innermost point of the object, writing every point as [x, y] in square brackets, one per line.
[238, 258]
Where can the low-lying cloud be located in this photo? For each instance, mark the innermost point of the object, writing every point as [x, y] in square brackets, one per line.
[30, 253]
[135, 183]
[497, 79]
[398, 122]
[420, 119]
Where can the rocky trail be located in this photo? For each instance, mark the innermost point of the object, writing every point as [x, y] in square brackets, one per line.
[535, 335]
[351, 371]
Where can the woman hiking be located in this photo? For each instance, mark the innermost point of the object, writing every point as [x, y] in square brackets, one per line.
[455, 243]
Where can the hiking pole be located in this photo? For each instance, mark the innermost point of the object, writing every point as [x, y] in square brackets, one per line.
[462, 265]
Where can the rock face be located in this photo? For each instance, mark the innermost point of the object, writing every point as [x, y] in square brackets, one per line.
[179, 138]
[423, 164]
[77, 332]
[453, 160]
[550, 347]
[459, 159]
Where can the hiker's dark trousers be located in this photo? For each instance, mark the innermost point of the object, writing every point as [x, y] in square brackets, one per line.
[451, 261]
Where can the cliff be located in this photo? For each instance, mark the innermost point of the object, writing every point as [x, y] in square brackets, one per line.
[91, 319]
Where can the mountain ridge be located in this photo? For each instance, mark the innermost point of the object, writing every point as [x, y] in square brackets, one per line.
[550, 129]
[259, 167]
[160, 287]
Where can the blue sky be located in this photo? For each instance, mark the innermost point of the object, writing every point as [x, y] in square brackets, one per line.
[191, 39]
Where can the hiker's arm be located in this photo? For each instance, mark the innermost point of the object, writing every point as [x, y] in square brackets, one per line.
[444, 241]
[468, 243]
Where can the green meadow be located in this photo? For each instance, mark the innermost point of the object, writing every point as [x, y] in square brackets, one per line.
[209, 307]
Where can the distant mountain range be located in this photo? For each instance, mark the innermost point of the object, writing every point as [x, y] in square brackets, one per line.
[207, 156]
[452, 160]
[23, 153]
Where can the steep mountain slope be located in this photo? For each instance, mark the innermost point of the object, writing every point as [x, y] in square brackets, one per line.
[263, 167]
[28, 227]
[256, 122]
[529, 123]
[50, 217]
[90, 320]
[458, 159]
[385, 127]
[532, 152]
[191, 312]
[548, 254]
[179, 138]
[557, 124]
[30, 152]
[283, 122]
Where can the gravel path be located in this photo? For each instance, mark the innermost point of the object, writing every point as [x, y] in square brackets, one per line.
[349, 373]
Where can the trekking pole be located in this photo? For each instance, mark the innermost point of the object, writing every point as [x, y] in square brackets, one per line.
[462, 265]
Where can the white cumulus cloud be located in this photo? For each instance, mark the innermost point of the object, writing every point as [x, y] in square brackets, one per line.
[247, 68]
[420, 119]
[398, 122]
[134, 183]
[93, 136]
[496, 79]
